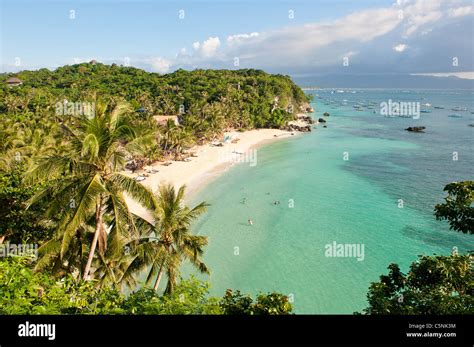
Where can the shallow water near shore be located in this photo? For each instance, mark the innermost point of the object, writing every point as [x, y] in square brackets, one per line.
[325, 199]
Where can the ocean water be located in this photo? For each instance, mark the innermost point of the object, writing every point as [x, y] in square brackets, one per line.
[326, 199]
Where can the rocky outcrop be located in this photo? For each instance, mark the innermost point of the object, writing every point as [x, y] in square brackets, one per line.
[326, 114]
[416, 129]
[305, 118]
[321, 120]
[298, 126]
[306, 108]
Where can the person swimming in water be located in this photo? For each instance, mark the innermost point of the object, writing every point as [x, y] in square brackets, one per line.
[250, 221]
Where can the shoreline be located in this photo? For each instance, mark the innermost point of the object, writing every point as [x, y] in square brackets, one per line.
[210, 162]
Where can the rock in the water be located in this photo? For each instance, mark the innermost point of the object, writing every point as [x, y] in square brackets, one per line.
[298, 126]
[321, 120]
[416, 129]
[326, 114]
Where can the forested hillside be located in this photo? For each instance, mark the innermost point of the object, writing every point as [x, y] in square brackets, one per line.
[207, 102]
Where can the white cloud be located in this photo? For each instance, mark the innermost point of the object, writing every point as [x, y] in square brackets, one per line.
[369, 34]
[239, 38]
[400, 47]
[208, 48]
[160, 65]
[460, 11]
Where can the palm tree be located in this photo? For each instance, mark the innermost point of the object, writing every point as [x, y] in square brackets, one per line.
[168, 130]
[169, 241]
[86, 183]
[181, 139]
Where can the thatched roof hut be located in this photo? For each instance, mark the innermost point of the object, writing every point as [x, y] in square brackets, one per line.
[14, 81]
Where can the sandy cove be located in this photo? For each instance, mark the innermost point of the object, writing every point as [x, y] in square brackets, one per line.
[208, 164]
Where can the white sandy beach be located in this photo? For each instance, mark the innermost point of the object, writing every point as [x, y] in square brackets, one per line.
[208, 164]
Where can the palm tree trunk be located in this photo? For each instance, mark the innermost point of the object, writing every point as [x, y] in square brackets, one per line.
[98, 228]
[158, 279]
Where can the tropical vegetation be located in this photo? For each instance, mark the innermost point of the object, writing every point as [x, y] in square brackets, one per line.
[63, 188]
[66, 138]
[433, 285]
[25, 291]
[458, 208]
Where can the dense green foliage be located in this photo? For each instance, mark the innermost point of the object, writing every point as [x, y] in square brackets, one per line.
[266, 304]
[208, 101]
[63, 187]
[458, 208]
[433, 285]
[18, 224]
[23, 291]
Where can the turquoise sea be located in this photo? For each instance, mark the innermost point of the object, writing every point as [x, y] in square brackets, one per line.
[326, 199]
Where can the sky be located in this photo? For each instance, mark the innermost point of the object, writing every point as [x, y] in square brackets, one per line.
[301, 37]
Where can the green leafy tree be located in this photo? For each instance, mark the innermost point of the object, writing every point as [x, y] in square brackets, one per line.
[458, 208]
[17, 224]
[189, 297]
[24, 291]
[234, 303]
[433, 285]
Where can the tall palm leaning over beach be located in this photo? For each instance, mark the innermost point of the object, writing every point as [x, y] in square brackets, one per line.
[85, 183]
[171, 241]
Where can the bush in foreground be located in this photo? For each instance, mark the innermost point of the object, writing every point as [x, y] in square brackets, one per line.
[23, 291]
[433, 285]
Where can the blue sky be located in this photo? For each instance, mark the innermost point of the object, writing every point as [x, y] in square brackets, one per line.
[369, 34]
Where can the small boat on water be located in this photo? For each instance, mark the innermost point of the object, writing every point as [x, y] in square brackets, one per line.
[455, 115]
[457, 108]
[439, 107]
[424, 110]
[426, 104]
